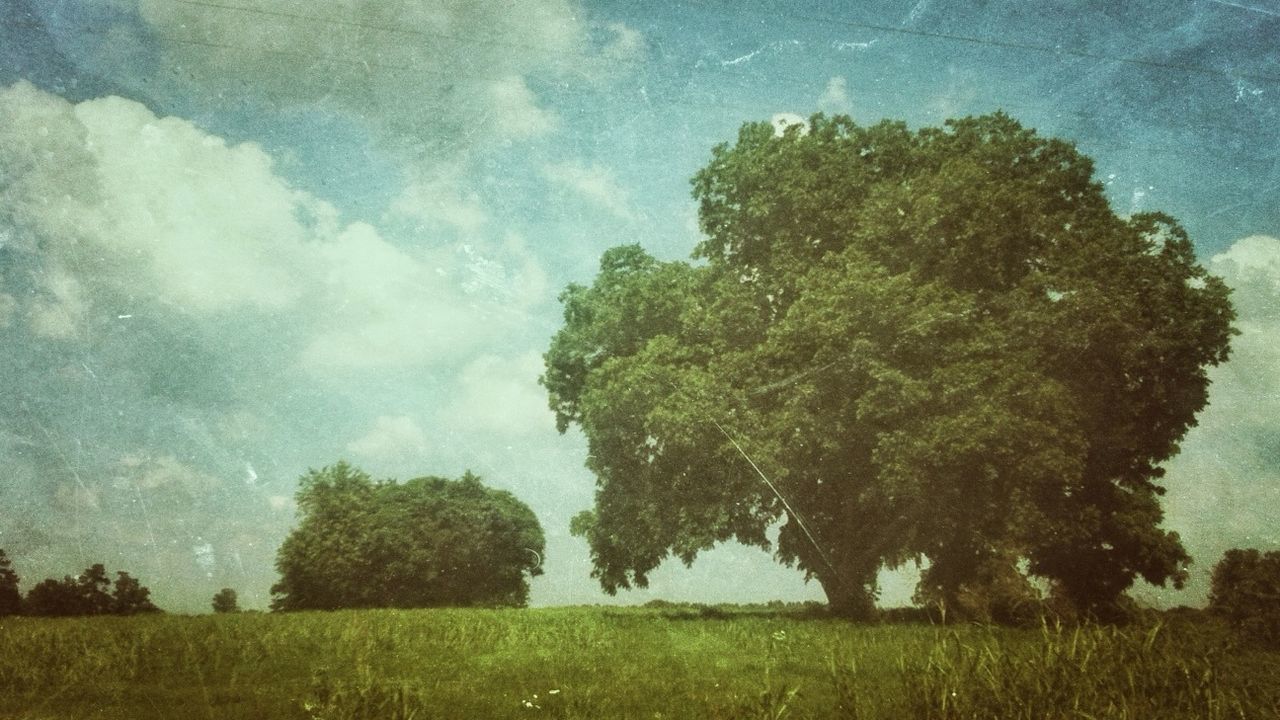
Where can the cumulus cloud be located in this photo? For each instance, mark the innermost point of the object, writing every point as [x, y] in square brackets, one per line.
[514, 110]
[627, 45]
[593, 183]
[113, 201]
[381, 309]
[501, 395]
[392, 438]
[437, 202]
[1225, 484]
[152, 210]
[217, 226]
[435, 85]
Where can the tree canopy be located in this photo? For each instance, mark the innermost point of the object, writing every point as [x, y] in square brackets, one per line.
[939, 345]
[225, 601]
[1246, 591]
[90, 593]
[423, 543]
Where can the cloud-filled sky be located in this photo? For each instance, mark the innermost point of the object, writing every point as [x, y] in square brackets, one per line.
[241, 239]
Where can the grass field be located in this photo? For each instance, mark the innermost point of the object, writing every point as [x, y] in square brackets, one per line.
[619, 663]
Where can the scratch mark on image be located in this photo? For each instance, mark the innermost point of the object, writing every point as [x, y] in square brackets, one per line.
[1250, 8]
[146, 520]
[742, 59]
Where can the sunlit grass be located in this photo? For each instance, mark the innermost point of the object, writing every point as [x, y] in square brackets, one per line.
[611, 663]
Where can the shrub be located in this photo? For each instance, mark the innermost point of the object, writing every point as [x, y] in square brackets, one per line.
[225, 601]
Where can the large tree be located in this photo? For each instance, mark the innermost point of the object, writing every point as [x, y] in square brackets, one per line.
[940, 345]
[422, 543]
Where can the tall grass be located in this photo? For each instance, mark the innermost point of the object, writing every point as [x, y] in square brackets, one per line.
[610, 663]
[1151, 672]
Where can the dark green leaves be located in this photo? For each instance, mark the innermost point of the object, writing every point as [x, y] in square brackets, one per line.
[90, 593]
[940, 345]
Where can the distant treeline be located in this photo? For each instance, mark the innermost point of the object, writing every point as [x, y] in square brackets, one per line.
[90, 593]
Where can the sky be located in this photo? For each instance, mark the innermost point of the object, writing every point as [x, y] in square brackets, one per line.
[244, 238]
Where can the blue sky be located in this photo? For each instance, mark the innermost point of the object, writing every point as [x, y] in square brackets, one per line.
[241, 238]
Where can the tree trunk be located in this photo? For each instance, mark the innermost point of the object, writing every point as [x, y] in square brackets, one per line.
[849, 598]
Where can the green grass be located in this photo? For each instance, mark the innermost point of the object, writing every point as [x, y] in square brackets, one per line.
[614, 663]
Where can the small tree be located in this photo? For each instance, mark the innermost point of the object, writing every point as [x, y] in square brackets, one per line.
[225, 601]
[10, 596]
[423, 543]
[1246, 591]
[130, 597]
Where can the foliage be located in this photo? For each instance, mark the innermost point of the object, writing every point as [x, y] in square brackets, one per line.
[129, 597]
[53, 598]
[91, 593]
[94, 588]
[996, 591]
[366, 696]
[422, 543]
[224, 601]
[939, 345]
[1246, 590]
[10, 595]
[502, 664]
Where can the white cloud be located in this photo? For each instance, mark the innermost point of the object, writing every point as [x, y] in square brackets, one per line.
[218, 227]
[385, 308]
[114, 209]
[836, 96]
[627, 44]
[783, 120]
[1253, 263]
[526, 283]
[114, 199]
[514, 110]
[501, 395]
[392, 438]
[1225, 484]
[594, 183]
[146, 472]
[438, 201]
